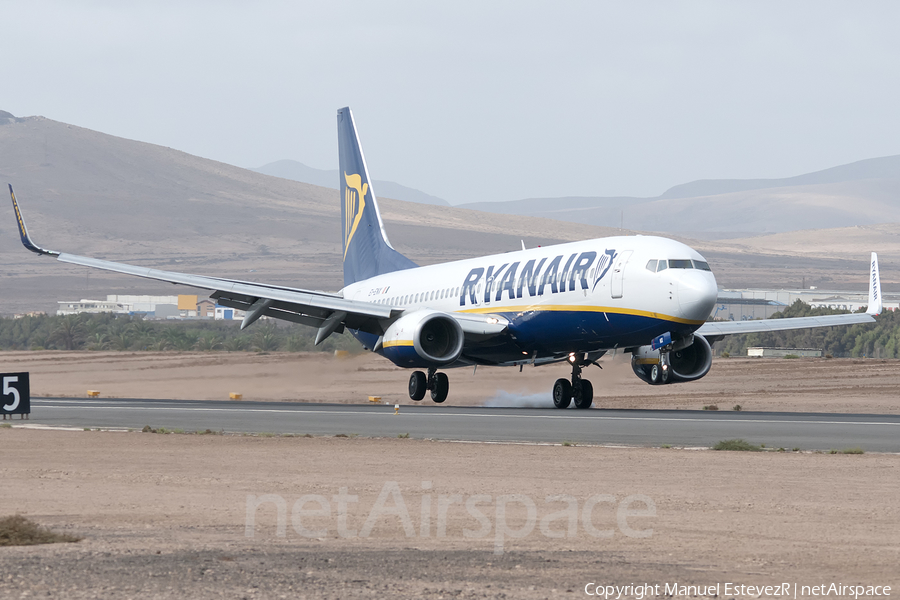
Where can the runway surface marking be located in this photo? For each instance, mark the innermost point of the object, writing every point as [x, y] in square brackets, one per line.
[97, 406]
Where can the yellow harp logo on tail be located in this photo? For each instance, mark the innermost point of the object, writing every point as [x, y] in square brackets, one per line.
[354, 203]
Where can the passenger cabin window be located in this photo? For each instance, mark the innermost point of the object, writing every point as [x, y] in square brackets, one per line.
[680, 264]
[651, 265]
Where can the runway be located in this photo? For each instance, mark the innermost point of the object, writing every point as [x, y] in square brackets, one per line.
[817, 431]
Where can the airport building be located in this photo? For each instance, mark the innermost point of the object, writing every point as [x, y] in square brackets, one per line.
[206, 309]
[765, 352]
[228, 314]
[85, 306]
[184, 306]
[748, 304]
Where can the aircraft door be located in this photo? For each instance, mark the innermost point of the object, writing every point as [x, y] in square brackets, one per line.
[618, 273]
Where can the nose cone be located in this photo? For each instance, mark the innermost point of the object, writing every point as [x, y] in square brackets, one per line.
[697, 293]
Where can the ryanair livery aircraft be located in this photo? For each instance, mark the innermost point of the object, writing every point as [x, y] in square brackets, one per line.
[645, 295]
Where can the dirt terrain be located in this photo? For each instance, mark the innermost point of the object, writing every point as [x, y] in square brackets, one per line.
[812, 385]
[166, 516]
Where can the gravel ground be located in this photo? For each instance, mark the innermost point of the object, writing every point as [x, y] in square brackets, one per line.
[165, 516]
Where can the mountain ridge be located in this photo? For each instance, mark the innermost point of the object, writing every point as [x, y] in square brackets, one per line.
[85, 192]
[885, 167]
[329, 178]
[859, 193]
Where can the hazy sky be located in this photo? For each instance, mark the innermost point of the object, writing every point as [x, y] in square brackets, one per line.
[475, 101]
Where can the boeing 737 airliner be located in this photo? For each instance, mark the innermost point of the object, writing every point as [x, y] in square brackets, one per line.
[645, 295]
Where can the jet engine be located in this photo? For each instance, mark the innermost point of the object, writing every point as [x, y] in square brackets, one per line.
[425, 338]
[689, 360]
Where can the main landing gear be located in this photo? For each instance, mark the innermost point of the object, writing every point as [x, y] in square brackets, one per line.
[438, 383]
[580, 390]
[659, 373]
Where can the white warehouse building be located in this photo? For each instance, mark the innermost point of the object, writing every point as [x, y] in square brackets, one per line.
[155, 306]
[748, 304]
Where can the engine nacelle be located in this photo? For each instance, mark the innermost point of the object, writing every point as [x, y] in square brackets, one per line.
[688, 363]
[425, 338]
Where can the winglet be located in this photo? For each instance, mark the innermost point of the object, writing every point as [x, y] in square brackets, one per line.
[23, 231]
[875, 302]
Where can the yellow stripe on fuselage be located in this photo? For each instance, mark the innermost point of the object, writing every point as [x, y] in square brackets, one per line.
[574, 308]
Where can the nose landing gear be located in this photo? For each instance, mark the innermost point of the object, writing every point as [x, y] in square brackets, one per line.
[580, 390]
[437, 383]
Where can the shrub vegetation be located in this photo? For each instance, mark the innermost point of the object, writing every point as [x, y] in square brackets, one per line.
[879, 340]
[19, 531]
[737, 445]
[123, 332]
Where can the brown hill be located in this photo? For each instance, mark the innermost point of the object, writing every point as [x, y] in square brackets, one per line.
[89, 193]
[861, 193]
[829, 243]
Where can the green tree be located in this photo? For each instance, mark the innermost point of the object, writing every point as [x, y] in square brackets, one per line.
[266, 339]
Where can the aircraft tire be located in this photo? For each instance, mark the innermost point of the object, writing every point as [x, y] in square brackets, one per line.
[562, 393]
[655, 375]
[664, 375]
[441, 387]
[585, 398]
[417, 385]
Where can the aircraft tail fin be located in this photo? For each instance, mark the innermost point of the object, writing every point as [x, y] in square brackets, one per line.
[876, 304]
[367, 251]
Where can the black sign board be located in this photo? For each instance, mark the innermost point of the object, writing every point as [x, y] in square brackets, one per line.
[15, 395]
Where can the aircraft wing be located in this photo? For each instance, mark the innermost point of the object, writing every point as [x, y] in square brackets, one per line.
[329, 313]
[719, 329]
[313, 308]
[722, 328]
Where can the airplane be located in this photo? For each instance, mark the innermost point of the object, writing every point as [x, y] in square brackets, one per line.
[644, 295]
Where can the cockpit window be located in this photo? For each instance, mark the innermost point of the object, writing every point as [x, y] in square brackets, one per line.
[651, 266]
[661, 267]
[703, 266]
[680, 264]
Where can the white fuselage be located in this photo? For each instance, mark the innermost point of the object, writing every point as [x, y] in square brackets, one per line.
[590, 295]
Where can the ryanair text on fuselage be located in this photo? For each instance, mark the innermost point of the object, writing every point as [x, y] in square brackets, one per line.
[535, 276]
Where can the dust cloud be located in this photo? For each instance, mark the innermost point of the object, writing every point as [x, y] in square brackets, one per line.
[504, 399]
[613, 379]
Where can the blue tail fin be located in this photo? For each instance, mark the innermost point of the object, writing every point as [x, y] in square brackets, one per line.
[367, 251]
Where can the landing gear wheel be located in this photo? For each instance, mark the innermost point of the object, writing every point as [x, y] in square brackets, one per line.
[656, 375]
[562, 393]
[441, 387]
[417, 385]
[584, 394]
[664, 376]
